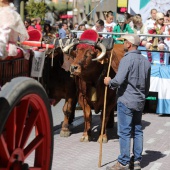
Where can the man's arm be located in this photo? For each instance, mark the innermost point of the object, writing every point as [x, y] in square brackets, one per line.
[121, 75]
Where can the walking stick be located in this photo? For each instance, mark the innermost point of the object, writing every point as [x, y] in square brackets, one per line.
[104, 113]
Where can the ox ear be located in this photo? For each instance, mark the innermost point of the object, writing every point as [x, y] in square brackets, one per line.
[72, 53]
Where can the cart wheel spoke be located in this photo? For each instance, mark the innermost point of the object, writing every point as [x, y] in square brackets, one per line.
[33, 145]
[29, 126]
[21, 120]
[11, 130]
[4, 153]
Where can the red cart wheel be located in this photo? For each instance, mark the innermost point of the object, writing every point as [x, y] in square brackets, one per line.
[26, 126]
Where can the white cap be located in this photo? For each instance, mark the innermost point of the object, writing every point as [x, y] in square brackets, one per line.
[132, 38]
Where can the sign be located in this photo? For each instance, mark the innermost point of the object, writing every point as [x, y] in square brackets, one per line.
[122, 3]
[38, 63]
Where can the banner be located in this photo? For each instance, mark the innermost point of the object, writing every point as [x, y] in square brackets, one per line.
[144, 7]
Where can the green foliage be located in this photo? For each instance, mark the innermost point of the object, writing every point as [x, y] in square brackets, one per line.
[61, 7]
[36, 9]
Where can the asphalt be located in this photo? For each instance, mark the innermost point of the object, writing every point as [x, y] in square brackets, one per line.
[71, 154]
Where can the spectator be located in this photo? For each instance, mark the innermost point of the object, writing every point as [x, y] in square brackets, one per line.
[48, 31]
[167, 18]
[108, 23]
[157, 42]
[34, 22]
[38, 24]
[76, 26]
[149, 24]
[138, 28]
[99, 27]
[128, 19]
[28, 25]
[63, 31]
[81, 28]
[121, 27]
[86, 25]
[167, 40]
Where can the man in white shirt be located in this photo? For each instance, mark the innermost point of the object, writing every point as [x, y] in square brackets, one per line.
[149, 24]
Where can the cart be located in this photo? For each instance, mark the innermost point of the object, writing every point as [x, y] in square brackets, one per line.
[26, 125]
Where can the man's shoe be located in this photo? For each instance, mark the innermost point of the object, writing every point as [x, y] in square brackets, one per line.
[135, 165]
[118, 166]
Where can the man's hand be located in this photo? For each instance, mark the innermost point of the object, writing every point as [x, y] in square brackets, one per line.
[107, 80]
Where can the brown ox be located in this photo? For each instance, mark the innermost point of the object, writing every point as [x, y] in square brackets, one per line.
[91, 72]
[61, 86]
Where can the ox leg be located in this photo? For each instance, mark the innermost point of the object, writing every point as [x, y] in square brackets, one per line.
[110, 122]
[87, 118]
[68, 110]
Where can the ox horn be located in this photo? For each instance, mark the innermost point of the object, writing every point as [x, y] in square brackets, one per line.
[103, 48]
[65, 49]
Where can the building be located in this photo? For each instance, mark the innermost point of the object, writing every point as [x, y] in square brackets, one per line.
[82, 10]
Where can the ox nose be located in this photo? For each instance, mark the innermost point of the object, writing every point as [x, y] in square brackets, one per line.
[73, 68]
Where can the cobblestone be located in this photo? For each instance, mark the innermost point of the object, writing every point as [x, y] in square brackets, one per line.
[71, 154]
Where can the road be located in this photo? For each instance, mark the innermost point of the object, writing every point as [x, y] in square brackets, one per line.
[71, 154]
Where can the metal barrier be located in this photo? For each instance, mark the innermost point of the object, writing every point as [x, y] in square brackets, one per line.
[114, 33]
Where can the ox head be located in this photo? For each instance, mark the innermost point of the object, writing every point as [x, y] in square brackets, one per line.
[84, 56]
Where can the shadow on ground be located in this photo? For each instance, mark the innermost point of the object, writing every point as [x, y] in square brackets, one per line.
[151, 156]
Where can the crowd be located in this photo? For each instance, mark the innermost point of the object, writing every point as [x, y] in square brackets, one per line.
[157, 23]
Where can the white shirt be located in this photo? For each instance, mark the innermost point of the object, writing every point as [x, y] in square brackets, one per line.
[109, 27]
[149, 24]
[104, 30]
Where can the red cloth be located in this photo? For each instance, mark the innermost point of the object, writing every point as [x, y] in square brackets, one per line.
[90, 35]
[85, 46]
[34, 35]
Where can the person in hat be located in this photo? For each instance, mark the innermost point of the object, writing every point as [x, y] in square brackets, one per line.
[11, 29]
[133, 82]
[157, 43]
[121, 27]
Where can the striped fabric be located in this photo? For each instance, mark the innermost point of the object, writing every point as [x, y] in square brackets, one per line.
[160, 81]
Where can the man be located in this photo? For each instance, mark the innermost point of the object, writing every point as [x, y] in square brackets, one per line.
[132, 81]
[149, 24]
[63, 31]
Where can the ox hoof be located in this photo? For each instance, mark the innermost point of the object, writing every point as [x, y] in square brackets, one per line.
[65, 133]
[104, 139]
[85, 139]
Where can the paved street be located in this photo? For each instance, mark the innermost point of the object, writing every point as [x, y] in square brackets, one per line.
[70, 154]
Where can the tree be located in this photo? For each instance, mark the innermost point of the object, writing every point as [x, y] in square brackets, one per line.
[36, 9]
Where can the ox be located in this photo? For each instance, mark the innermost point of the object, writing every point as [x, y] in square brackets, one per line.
[59, 85]
[90, 71]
